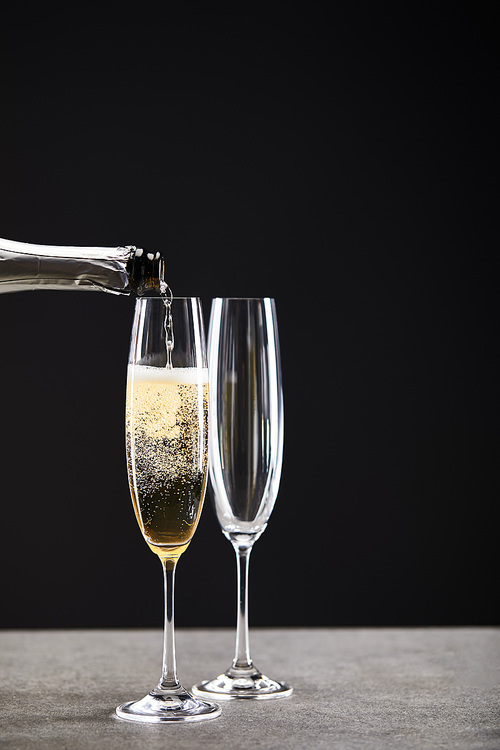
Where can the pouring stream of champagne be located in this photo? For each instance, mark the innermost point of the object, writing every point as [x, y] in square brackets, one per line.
[167, 296]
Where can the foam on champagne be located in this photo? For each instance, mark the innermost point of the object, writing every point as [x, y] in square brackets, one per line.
[178, 375]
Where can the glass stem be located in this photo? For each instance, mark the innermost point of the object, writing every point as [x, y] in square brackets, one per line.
[169, 679]
[242, 660]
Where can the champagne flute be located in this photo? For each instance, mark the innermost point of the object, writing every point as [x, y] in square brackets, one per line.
[167, 455]
[246, 449]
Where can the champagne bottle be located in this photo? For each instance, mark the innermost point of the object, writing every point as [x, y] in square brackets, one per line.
[119, 270]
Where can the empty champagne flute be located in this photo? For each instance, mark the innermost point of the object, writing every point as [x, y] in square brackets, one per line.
[245, 456]
[167, 456]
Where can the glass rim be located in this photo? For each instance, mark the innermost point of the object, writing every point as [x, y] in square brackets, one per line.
[243, 299]
[162, 299]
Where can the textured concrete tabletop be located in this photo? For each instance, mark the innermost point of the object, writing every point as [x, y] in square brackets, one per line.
[354, 688]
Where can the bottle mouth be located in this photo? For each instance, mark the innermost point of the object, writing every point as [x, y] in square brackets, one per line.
[146, 271]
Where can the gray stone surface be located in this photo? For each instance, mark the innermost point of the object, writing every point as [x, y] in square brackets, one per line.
[354, 688]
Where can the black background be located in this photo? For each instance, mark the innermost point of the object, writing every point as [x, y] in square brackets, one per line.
[337, 157]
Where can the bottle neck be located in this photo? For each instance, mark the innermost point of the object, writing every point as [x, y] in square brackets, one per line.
[120, 270]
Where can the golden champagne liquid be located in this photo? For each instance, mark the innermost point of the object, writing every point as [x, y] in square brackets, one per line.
[167, 452]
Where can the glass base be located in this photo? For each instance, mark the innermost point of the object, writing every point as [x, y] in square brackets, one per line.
[175, 705]
[242, 683]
